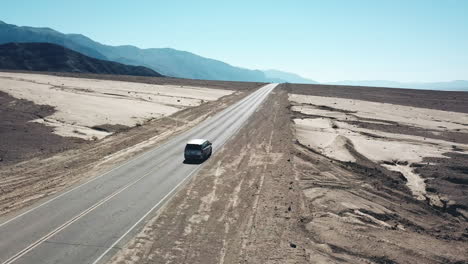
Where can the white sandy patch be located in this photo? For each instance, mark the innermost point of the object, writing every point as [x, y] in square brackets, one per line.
[69, 130]
[330, 135]
[122, 87]
[84, 103]
[395, 147]
[371, 218]
[415, 182]
[331, 143]
[414, 116]
[318, 134]
[311, 110]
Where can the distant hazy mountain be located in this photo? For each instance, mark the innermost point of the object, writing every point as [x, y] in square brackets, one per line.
[11, 33]
[166, 61]
[287, 77]
[459, 85]
[55, 58]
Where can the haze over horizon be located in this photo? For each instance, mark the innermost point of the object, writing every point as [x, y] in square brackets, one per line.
[417, 41]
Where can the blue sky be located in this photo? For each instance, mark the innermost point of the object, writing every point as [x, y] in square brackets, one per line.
[329, 40]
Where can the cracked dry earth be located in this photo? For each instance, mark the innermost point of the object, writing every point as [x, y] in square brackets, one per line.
[266, 198]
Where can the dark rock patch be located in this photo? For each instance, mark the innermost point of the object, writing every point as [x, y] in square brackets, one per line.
[21, 139]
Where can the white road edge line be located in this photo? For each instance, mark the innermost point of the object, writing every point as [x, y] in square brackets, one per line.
[144, 216]
[93, 179]
[164, 198]
[71, 221]
[89, 181]
[96, 205]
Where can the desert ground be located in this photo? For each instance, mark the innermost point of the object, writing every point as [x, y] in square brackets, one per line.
[323, 175]
[85, 107]
[57, 131]
[319, 174]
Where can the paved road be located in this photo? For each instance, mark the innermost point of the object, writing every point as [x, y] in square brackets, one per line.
[87, 224]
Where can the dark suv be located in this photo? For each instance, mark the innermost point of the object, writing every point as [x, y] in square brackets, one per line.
[197, 150]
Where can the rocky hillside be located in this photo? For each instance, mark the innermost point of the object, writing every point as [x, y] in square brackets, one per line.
[52, 57]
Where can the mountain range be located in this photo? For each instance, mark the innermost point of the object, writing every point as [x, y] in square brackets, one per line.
[287, 76]
[56, 58]
[183, 64]
[169, 62]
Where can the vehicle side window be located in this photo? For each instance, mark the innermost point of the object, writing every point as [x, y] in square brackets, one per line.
[204, 144]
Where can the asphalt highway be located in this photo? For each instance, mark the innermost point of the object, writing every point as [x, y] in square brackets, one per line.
[88, 223]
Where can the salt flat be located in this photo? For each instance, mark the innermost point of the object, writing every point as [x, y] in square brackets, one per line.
[84, 104]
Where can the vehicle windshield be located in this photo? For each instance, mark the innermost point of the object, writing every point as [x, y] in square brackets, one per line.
[193, 147]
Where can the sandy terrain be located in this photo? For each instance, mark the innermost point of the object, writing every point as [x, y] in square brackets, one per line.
[227, 85]
[440, 100]
[267, 197]
[32, 169]
[330, 133]
[337, 127]
[319, 174]
[83, 106]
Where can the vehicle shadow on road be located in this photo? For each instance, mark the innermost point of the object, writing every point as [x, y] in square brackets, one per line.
[193, 162]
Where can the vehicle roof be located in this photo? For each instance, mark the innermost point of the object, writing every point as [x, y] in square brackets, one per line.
[197, 141]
